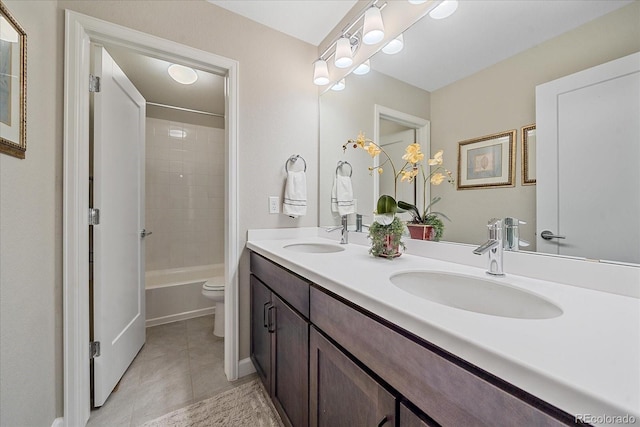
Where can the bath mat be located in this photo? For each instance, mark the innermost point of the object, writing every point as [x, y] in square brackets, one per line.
[244, 406]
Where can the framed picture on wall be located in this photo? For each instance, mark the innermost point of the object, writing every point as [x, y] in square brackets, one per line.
[487, 162]
[13, 86]
[528, 136]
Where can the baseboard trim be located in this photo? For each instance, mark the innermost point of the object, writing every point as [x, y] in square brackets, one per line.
[58, 422]
[245, 367]
[180, 316]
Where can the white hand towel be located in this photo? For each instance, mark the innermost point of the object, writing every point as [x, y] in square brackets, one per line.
[342, 196]
[295, 194]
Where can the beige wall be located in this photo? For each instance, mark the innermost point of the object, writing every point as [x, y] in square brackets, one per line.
[502, 97]
[278, 117]
[343, 115]
[30, 243]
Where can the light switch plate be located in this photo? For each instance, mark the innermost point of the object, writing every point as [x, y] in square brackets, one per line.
[274, 204]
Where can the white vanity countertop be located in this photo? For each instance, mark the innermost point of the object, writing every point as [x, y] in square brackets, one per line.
[586, 361]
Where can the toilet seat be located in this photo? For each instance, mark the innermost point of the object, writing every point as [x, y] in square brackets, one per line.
[213, 285]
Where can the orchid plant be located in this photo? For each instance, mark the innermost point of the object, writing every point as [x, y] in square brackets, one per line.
[412, 168]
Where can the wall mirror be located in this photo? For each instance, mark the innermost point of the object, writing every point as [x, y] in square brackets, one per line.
[471, 80]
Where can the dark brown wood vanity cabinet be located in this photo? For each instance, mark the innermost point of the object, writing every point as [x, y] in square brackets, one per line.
[343, 394]
[280, 338]
[327, 362]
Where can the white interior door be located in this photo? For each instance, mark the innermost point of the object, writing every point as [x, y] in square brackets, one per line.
[588, 173]
[118, 183]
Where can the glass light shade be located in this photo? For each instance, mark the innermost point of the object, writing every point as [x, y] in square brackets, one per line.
[320, 72]
[363, 68]
[394, 46]
[340, 85]
[344, 57]
[182, 74]
[444, 9]
[417, 1]
[373, 30]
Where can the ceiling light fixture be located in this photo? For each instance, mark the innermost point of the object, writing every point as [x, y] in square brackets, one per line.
[363, 68]
[373, 30]
[344, 56]
[340, 85]
[417, 1]
[367, 27]
[181, 74]
[320, 72]
[444, 9]
[394, 46]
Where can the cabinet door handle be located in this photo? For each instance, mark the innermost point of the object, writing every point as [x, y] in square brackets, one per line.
[383, 421]
[272, 321]
[265, 317]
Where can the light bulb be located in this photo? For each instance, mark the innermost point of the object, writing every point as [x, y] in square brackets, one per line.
[394, 46]
[444, 9]
[363, 68]
[340, 85]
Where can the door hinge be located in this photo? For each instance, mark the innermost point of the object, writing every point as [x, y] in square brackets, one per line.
[94, 83]
[94, 349]
[94, 216]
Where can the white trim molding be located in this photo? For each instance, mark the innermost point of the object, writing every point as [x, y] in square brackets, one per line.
[80, 31]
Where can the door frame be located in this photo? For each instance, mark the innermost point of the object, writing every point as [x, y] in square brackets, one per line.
[80, 31]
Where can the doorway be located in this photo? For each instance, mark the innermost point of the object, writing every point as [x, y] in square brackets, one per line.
[80, 31]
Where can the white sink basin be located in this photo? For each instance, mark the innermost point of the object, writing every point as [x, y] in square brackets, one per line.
[314, 248]
[475, 294]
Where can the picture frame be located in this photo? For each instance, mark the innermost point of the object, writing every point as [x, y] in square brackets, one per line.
[528, 136]
[487, 161]
[13, 86]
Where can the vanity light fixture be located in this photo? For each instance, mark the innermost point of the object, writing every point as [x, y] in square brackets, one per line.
[181, 74]
[340, 85]
[363, 68]
[373, 29]
[444, 9]
[344, 56]
[394, 46]
[417, 1]
[320, 72]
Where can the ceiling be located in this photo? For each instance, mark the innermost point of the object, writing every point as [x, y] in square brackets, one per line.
[437, 52]
[307, 20]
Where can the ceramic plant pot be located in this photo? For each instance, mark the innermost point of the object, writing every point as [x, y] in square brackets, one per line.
[421, 231]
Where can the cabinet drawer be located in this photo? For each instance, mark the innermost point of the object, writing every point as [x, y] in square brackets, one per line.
[448, 393]
[293, 289]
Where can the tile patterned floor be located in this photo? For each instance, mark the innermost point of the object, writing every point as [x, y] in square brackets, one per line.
[181, 363]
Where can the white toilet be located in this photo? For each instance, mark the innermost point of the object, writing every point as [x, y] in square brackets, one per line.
[214, 289]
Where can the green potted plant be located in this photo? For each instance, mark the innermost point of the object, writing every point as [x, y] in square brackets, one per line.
[427, 225]
[386, 230]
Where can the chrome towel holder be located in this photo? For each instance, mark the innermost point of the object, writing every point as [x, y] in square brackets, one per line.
[342, 163]
[294, 159]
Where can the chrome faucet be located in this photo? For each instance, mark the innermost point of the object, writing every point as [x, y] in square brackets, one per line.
[345, 231]
[494, 246]
[359, 224]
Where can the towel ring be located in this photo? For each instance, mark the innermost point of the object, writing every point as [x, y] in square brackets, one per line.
[341, 164]
[294, 159]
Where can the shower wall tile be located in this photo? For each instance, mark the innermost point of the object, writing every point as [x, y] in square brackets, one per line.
[184, 195]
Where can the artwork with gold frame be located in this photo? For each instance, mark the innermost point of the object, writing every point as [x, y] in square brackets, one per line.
[13, 86]
[528, 136]
[487, 162]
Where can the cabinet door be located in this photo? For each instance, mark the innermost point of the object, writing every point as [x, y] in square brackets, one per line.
[408, 418]
[290, 380]
[260, 337]
[342, 394]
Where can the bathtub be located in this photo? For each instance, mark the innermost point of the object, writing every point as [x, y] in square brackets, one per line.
[176, 294]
